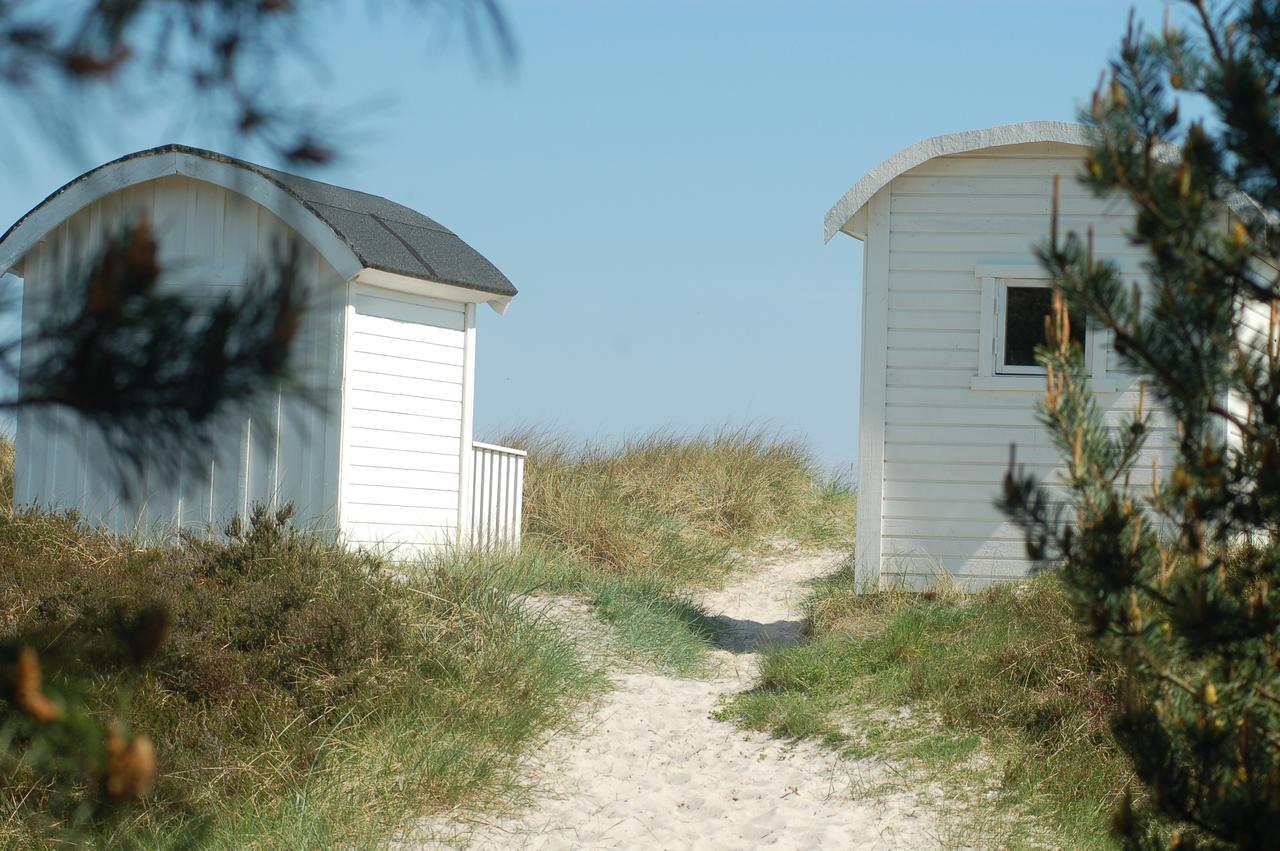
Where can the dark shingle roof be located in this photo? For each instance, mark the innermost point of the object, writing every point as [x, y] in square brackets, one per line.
[382, 234]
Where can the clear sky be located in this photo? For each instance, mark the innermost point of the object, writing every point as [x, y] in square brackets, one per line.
[653, 178]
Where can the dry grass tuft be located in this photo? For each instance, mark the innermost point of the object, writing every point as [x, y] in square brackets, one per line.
[633, 529]
[7, 450]
[676, 506]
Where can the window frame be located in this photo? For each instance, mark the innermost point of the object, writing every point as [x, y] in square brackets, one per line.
[993, 373]
[999, 367]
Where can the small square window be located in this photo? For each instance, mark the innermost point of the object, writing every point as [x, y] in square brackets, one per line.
[1021, 312]
[1014, 300]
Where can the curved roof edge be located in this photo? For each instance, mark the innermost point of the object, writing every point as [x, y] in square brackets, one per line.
[352, 230]
[1027, 132]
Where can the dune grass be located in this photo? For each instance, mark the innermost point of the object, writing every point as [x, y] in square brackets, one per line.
[682, 508]
[305, 697]
[653, 621]
[7, 450]
[634, 529]
[312, 697]
[1001, 672]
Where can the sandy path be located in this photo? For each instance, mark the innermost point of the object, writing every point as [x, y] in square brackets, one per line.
[653, 769]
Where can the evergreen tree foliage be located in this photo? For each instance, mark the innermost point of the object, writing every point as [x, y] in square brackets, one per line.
[234, 63]
[151, 368]
[155, 370]
[1178, 578]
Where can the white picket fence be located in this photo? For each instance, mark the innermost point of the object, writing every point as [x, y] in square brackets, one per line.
[497, 495]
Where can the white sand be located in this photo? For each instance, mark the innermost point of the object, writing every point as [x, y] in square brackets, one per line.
[653, 769]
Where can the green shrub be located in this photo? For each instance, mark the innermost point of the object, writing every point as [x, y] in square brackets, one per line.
[285, 653]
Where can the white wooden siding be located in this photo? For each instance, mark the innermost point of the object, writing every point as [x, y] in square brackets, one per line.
[944, 448]
[211, 241]
[497, 495]
[403, 438]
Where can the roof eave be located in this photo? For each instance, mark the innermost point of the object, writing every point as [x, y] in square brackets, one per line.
[843, 215]
[856, 227]
[433, 289]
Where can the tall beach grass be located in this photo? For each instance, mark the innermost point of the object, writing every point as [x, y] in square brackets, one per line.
[634, 529]
[1003, 672]
[677, 507]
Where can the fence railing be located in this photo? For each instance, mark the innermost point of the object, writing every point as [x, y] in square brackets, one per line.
[497, 495]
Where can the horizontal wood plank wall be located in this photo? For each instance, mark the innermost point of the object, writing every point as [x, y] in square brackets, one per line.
[946, 446]
[1256, 332]
[401, 459]
[212, 243]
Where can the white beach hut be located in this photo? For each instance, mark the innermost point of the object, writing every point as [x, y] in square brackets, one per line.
[388, 345]
[953, 301]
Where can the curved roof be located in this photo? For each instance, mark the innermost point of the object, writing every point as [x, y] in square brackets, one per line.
[1027, 132]
[353, 230]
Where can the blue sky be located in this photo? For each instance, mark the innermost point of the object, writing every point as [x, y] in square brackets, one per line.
[653, 177]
